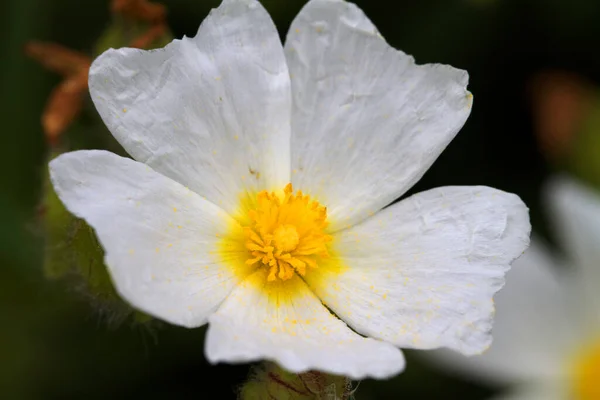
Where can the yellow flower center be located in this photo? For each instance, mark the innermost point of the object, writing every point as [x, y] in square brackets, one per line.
[286, 237]
[586, 374]
[285, 234]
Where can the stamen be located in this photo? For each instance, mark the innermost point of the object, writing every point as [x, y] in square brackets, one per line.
[286, 234]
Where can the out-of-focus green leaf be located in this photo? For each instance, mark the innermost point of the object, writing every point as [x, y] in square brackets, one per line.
[585, 157]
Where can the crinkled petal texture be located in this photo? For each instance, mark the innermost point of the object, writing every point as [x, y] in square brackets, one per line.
[160, 239]
[577, 211]
[367, 122]
[534, 329]
[285, 322]
[211, 112]
[422, 272]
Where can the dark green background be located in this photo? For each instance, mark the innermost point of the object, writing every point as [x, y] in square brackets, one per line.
[53, 344]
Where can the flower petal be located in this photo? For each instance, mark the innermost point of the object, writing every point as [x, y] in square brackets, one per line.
[285, 322]
[576, 211]
[533, 329]
[159, 238]
[422, 272]
[211, 112]
[367, 122]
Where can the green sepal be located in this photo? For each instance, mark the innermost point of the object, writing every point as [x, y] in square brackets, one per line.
[269, 381]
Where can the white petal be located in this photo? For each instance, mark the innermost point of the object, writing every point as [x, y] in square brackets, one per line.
[422, 272]
[160, 239]
[533, 328]
[367, 122]
[576, 212]
[285, 322]
[211, 112]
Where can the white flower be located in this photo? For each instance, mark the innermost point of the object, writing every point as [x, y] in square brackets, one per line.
[205, 227]
[547, 328]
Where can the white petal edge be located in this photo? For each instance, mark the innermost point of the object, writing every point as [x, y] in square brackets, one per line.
[534, 331]
[290, 326]
[367, 122]
[575, 211]
[422, 273]
[159, 238]
[211, 112]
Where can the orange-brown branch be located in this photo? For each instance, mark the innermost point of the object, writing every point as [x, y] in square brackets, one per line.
[57, 58]
[141, 10]
[144, 41]
[64, 104]
[66, 100]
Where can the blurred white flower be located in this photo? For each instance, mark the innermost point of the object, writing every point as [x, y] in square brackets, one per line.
[547, 326]
[205, 226]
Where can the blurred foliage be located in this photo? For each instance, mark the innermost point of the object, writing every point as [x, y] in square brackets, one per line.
[125, 31]
[57, 346]
[584, 159]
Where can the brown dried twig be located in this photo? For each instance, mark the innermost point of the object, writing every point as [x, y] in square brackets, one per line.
[66, 100]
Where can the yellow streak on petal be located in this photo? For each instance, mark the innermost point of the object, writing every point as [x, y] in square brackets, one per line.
[232, 251]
